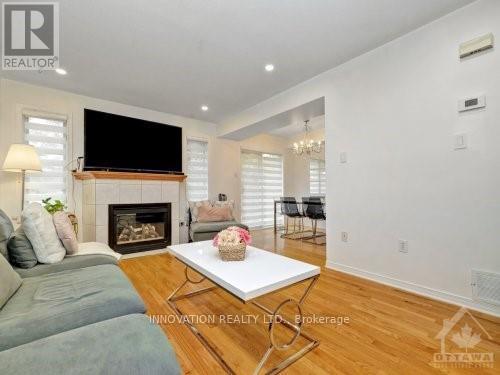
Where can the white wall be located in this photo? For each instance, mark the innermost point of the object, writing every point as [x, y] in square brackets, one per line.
[394, 111]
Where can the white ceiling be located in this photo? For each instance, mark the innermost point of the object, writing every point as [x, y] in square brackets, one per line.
[296, 128]
[175, 55]
[274, 124]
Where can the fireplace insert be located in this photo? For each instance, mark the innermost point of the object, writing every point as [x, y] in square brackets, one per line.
[139, 227]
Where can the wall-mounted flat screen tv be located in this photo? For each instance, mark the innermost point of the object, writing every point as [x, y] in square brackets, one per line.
[119, 143]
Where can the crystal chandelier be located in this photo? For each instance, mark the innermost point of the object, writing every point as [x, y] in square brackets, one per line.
[307, 146]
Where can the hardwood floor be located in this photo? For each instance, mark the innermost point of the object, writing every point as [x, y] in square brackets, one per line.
[390, 331]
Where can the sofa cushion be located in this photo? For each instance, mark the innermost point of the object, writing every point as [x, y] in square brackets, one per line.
[57, 302]
[21, 253]
[127, 345]
[215, 226]
[38, 226]
[6, 230]
[65, 232]
[68, 263]
[9, 281]
[207, 231]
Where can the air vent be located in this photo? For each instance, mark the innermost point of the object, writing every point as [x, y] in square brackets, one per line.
[486, 287]
[477, 45]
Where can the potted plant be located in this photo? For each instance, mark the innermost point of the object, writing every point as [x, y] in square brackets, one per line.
[232, 243]
[53, 207]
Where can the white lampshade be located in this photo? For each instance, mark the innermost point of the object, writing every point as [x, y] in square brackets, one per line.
[22, 157]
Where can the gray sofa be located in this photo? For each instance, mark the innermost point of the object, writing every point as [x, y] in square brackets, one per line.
[79, 316]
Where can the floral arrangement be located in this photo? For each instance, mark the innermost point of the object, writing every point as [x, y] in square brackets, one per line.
[232, 236]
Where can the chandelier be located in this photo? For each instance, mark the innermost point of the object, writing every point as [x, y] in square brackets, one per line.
[307, 146]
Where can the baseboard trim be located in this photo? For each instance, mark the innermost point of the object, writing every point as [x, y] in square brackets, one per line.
[416, 288]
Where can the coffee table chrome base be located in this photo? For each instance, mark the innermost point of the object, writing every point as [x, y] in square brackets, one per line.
[275, 318]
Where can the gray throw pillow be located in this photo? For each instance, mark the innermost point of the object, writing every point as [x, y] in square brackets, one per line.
[21, 253]
[10, 281]
[6, 230]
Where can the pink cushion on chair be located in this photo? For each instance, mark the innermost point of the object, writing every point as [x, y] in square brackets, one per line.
[65, 232]
[208, 214]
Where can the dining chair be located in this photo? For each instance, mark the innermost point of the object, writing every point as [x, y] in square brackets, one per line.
[290, 210]
[313, 208]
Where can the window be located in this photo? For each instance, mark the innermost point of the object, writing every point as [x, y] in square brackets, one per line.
[261, 184]
[317, 177]
[49, 137]
[197, 170]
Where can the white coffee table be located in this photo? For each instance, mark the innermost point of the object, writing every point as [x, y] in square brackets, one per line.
[261, 273]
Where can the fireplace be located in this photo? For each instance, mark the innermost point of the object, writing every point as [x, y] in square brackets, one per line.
[139, 227]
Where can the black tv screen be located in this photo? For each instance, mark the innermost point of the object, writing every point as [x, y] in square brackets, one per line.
[118, 143]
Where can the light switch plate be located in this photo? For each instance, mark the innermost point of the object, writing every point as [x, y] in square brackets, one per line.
[343, 157]
[460, 141]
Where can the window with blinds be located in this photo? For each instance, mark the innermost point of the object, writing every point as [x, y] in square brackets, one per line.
[49, 137]
[261, 184]
[197, 170]
[317, 177]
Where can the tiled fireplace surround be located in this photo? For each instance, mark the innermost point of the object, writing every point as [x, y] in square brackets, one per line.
[97, 194]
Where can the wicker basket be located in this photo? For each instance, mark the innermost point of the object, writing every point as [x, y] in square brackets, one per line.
[232, 252]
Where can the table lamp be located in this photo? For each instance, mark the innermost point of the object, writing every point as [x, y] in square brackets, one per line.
[22, 158]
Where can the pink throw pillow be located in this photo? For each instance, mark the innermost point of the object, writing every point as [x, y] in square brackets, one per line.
[208, 214]
[65, 232]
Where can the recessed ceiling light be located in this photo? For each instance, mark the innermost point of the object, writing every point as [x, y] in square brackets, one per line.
[204, 108]
[61, 71]
[269, 67]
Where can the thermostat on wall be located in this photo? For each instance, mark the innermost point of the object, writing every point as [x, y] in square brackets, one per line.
[471, 103]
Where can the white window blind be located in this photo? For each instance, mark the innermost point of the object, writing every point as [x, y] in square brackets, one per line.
[261, 184]
[49, 137]
[317, 177]
[197, 170]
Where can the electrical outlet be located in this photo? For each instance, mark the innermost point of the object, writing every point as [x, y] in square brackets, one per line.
[344, 236]
[403, 246]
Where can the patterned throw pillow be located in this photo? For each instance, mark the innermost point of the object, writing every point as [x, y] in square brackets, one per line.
[193, 207]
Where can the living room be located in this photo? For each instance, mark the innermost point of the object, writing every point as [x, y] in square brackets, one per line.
[362, 184]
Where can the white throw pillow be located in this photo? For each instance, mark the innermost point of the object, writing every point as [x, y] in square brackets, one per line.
[39, 228]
